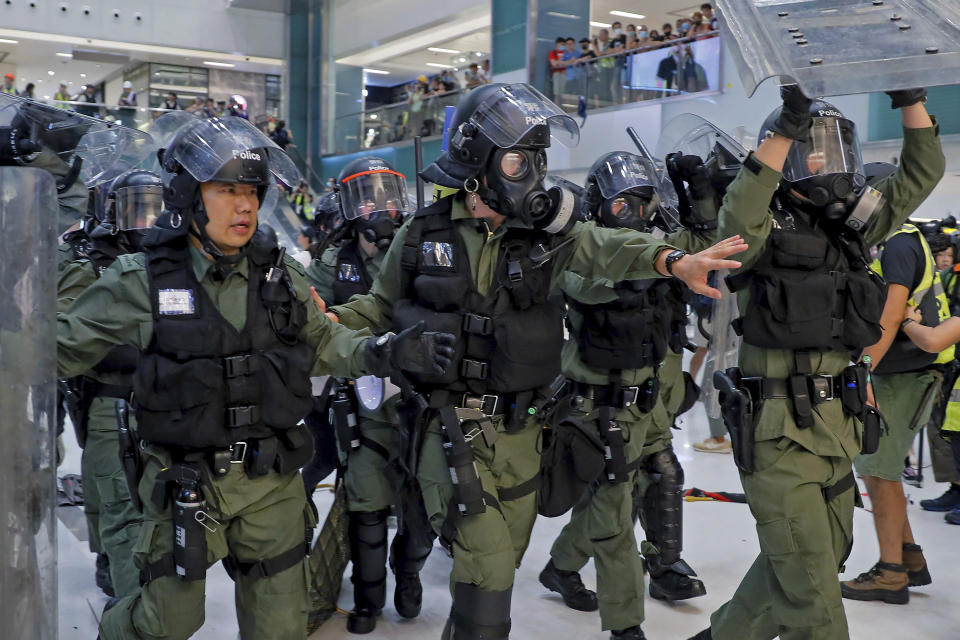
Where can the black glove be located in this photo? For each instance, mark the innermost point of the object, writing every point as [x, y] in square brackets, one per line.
[413, 350]
[695, 174]
[15, 144]
[906, 97]
[794, 120]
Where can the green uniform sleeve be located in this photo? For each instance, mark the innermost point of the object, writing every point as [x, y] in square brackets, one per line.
[611, 255]
[322, 272]
[339, 350]
[692, 241]
[113, 310]
[73, 278]
[746, 210]
[375, 309]
[921, 167]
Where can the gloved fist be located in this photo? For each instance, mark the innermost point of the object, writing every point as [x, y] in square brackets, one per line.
[906, 97]
[15, 144]
[794, 120]
[695, 174]
[413, 350]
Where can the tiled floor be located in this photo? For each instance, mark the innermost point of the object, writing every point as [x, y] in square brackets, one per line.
[720, 544]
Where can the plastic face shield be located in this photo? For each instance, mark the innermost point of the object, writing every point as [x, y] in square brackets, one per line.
[138, 207]
[367, 193]
[690, 134]
[833, 148]
[510, 114]
[625, 171]
[203, 147]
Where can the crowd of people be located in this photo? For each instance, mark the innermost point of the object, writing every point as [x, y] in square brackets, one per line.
[597, 68]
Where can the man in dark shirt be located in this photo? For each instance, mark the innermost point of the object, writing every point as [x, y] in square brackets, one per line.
[906, 382]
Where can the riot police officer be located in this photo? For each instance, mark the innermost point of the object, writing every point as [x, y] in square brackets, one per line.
[482, 263]
[797, 413]
[228, 339]
[620, 334]
[122, 211]
[373, 199]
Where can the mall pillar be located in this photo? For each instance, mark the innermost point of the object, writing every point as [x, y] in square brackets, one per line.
[524, 31]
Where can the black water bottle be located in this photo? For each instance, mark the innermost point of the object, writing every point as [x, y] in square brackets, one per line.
[190, 536]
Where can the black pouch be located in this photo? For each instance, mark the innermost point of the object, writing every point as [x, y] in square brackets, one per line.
[736, 406]
[295, 450]
[572, 461]
[872, 427]
[649, 392]
[854, 392]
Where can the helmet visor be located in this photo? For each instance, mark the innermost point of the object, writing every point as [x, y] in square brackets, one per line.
[369, 192]
[624, 171]
[510, 113]
[689, 134]
[205, 146]
[108, 153]
[833, 148]
[138, 206]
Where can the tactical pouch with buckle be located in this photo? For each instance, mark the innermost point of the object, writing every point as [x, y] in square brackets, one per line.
[738, 410]
[872, 428]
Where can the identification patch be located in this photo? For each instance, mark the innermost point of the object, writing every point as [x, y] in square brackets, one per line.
[348, 273]
[176, 302]
[437, 254]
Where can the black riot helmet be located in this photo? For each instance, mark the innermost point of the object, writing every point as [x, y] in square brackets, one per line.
[624, 190]
[373, 198]
[497, 149]
[226, 149]
[827, 169]
[133, 200]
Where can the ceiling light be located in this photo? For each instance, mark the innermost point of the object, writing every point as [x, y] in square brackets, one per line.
[442, 66]
[377, 71]
[83, 75]
[461, 59]
[50, 73]
[602, 25]
[65, 55]
[7, 41]
[364, 93]
[46, 97]
[627, 14]
[557, 14]
[479, 54]
[373, 116]
[442, 50]
[226, 65]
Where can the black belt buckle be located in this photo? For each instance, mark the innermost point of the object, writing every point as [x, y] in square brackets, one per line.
[473, 369]
[486, 404]
[821, 388]
[234, 366]
[243, 416]
[629, 396]
[477, 324]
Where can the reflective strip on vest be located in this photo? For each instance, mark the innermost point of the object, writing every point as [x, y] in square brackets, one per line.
[951, 421]
[929, 283]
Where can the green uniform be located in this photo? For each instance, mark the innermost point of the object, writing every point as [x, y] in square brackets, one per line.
[112, 521]
[259, 517]
[792, 588]
[601, 526]
[489, 546]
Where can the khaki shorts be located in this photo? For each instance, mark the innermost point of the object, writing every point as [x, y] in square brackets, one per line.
[906, 401]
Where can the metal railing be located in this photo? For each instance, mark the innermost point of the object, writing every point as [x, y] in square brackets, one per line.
[658, 70]
[134, 117]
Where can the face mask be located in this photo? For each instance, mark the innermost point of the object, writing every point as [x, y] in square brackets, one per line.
[686, 25]
[378, 229]
[560, 47]
[643, 35]
[617, 32]
[515, 178]
[585, 46]
[626, 211]
[836, 195]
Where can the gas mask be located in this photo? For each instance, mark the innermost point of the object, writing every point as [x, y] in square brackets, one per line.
[378, 228]
[636, 209]
[842, 199]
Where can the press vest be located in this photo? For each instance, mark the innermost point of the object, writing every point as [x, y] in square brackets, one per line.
[951, 422]
[508, 340]
[903, 355]
[810, 290]
[352, 277]
[203, 384]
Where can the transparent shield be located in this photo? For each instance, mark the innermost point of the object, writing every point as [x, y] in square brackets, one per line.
[370, 192]
[833, 148]
[28, 560]
[623, 171]
[837, 47]
[162, 130]
[510, 113]
[109, 153]
[138, 207]
[690, 134]
[205, 146]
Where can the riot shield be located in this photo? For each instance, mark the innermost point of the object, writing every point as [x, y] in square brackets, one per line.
[690, 134]
[838, 47]
[724, 343]
[28, 562]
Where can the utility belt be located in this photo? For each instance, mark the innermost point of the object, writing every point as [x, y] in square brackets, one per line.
[643, 396]
[741, 401]
[98, 389]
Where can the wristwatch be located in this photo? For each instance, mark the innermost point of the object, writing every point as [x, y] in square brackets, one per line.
[672, 257]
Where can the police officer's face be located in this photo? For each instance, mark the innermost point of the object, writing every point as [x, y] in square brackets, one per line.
[232, 212]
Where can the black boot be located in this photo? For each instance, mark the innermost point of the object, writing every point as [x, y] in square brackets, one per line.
[408, 553]
[368, 551]
[478, 614]
[674, 581]
[103, 575]
[630, 633]
[569, 585]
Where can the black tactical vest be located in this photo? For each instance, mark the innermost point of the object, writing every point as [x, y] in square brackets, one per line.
[352, 277]
[507, 341]
[203, 384]
[632, 332]
[810, 290]
[102, 253]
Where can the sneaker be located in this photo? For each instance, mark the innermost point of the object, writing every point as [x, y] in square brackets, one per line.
[630, 633]
[569, 585]
[916, 565]
[949, 501]
[953, 517]
[714, 445]
[885, 581]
